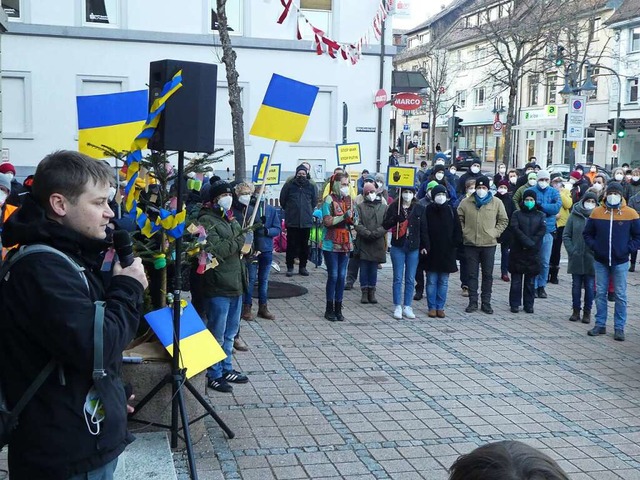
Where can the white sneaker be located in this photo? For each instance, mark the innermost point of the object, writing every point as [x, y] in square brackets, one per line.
[408, 313]
[397, 313]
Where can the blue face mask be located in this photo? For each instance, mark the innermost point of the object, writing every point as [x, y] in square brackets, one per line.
[529, 204]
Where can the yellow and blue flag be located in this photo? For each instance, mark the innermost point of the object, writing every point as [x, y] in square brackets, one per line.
[285, 110]
[198, 348]
[113, 120]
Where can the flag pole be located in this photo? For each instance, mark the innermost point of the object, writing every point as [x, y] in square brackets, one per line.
[399, 201]
[264, 183]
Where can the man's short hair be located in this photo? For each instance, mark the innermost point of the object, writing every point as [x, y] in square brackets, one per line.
[67, 172]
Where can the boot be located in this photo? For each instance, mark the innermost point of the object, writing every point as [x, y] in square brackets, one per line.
[239, 344]
[586, 316]
[263, 312]
[329, 314]
[338, 312]
[553, 275]
[372, 295]
[575, 316]
[365, 295]
[246, 312]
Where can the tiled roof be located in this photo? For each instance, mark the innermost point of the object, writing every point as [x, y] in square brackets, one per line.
[629, 10]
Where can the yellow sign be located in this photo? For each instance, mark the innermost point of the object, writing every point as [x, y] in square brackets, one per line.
[551, 111]
[273, 176]
[348, 153]
[401, 177]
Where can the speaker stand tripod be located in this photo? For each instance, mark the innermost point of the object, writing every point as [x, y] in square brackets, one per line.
[177, 378]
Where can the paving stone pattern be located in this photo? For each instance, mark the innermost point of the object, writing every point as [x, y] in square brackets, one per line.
[378, 398]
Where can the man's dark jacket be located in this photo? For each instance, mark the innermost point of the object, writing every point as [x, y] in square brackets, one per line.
[47, 312]
[298, 199]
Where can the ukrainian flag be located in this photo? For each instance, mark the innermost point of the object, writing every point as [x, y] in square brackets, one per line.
[198, 348]
[113, 120]
[285, 110]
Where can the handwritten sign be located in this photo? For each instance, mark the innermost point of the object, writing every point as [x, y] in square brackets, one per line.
[401, 177]
[348, 153]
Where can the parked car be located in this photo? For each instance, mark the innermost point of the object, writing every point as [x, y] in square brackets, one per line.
[564, 169]
[464, 159]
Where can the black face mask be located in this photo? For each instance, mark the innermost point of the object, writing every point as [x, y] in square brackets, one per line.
[301, 180]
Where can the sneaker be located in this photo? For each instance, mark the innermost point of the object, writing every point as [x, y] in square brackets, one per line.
[407, 312]
[303, 271]
[618, 335]
[417, 296]
[289, 272]
[473, 307]
[465, 291]
[235, 377]
[397, 313]
[219, 385]
[595, 331]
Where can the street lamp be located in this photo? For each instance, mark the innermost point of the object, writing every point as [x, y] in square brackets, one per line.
[498, 108]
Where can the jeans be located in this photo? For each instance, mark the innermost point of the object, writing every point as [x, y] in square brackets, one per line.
[336, 274]
[480, 257]
[352, 269]
[578, 282]
[554, 260]
[545, 255]
[404, 264]
[368, 273]
[504, 258]
[420, 273]
[261, 269]
[619, 275]
[437, 286]
[224, 323]
[104, 472]
[297, 246]
[522, 288]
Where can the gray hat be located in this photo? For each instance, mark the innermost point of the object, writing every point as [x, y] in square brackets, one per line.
[5, 182]
[543, 174]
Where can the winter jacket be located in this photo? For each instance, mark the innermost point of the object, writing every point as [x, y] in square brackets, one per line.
[507, 201]
[48, 312]
[634, 202]
[271, 227]
[371, 242]
[565, 209]
[460, 188]
[580, 256]
[298, 199]
[549, 203]
[445, 234]
[451, 191]
[612, 233]
[416, 235]
[481, 227]
[579, 189]
[224, 240]
[633, 188]
[528, 227]
[337, 236]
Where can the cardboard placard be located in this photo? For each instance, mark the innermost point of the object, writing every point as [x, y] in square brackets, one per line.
[401, 177]
[348, 153]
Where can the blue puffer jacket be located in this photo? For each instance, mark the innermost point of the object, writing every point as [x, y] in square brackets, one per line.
[548, 201]
[268, 216]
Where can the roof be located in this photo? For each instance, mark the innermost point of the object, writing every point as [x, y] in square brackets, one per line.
[424, 25]
[628, 10]
[411, 82]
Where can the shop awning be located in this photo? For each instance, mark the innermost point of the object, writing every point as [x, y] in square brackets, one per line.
[411, 82]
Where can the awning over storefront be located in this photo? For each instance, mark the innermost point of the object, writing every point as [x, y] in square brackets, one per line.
[411, 82]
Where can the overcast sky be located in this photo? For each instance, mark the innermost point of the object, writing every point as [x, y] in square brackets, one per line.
[420, 11]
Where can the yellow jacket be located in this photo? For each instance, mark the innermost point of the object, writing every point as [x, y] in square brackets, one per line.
[567, 203]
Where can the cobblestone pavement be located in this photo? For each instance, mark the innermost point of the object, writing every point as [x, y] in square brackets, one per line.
[374, 397]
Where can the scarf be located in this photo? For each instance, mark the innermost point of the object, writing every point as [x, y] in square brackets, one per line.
[482, 201]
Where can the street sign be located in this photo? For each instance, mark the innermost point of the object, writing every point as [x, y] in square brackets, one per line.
[576, 117]
[406, 129]
[380, 98]
[407, 101]
[424, 125]
[615, 149]
[497, 128]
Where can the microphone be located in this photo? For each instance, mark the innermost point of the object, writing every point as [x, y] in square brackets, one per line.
[123, 246]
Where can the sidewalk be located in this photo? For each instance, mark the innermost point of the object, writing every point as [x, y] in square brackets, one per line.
[374, 397]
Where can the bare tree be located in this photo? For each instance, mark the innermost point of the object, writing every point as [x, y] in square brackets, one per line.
[436, 70]
[235, 101]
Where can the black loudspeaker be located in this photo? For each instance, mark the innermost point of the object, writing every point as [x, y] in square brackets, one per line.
[189, 118]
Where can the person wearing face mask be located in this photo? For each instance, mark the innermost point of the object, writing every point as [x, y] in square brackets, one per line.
[501, 174]
[599, 184]
[561, 220]
[445, 234]
[483, 219]
[505, 239]
[17, 189]
[618, 175]
[633, 184]
[579, 186]
[522, 180]
[581, 267]
[409, 237]
[532, 180]
[438, 174]
[512, 177]
[242, 211]
[370, 241]
[421, 271]
[528, 227]
[298, 199]
[473, 173]
[590, 175]
[612, 232]
[470, 189]
[381, 188]
[223, 286]
[422, 173]
[337, 217]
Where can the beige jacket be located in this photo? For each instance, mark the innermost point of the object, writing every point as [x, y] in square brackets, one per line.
[482, 227]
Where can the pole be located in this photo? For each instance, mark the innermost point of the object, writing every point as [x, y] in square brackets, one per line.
[381, 86]
[345, 120]
[264, 182]
[405, 136]
[452, 134]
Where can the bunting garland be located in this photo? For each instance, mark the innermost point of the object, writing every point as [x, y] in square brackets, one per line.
[172, 223]
[348, 51]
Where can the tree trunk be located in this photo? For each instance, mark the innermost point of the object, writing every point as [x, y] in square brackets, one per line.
[508, 133]
[235, 100]
[432, 129]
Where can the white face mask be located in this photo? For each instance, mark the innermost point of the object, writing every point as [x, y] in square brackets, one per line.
[502, 190]
[532, 182]
[513, 180]
[471, 191]
[452, 171]
[3, 197]
[597, 186]
[407, 197]
[112, 193]
[372, 196]
[614, 199]
[10, 175]
[244, 199]
[589, 206]
[475, 169]
[439, 176]
[482, 192]
[439, 162]
[619, 177]
[593, 170]
[380, 186]
[225, 202]
[572, 181]
[543, 184]
[344, 191]
[440, 198]
[635, 179]
[502, 170]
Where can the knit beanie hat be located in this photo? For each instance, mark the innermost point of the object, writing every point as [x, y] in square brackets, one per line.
[532, 176]
[7, 167]
[482, 181]
[529, 192]
[301, 167]
[589, 196]
[219, 188]
[575, 174]
[503, 183]
[5, 182]
[431, 185]
[543, 175]
[369, 187]
[614, 187]
[438, 189]
[438, 168]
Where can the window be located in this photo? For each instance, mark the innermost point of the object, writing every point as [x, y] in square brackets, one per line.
[594, 28]
[318, 12]
[101, 12]
[96, 85]
[632, 89]
[552, 89]
[16, 105]
[234, 10]
[472, 21]
[635, 39]
[480, 96]
[11, 8]
[493, 14]
[533, 90]
[594, 79]
[461, 98]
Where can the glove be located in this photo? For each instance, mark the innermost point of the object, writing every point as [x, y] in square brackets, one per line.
[263, 220]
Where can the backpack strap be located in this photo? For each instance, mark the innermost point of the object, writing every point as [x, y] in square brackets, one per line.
[31, 391]
[98, 342]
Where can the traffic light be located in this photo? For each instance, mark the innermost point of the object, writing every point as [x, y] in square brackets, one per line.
[559, 56]
[457, 127]
[622, 130]
[611, 125]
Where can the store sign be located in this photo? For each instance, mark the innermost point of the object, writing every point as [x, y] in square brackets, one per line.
[407, 101]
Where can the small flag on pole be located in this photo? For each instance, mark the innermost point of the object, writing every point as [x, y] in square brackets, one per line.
[113, 120]
[285, 110]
